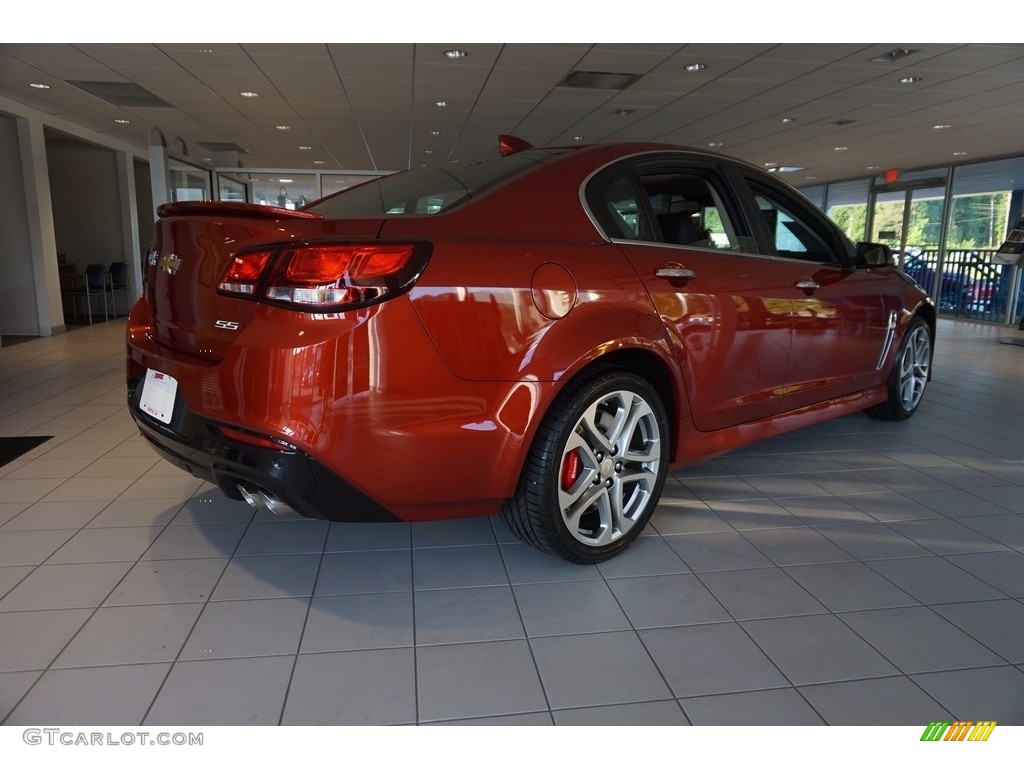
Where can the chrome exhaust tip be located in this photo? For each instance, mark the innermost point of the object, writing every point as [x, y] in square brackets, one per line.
[259, 499]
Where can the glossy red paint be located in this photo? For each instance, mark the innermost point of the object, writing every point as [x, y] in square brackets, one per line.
[428, 403]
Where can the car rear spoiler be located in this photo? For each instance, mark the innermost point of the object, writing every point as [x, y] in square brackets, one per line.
[196, 208]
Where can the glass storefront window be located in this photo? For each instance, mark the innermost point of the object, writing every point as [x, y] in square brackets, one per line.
[188, 182]
[815, 194]
[289, 191]
[986, 200]
[231, 190]
[846, 204]
[332, 182]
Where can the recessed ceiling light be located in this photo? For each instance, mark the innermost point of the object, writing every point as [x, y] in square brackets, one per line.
[841, 149]
[910, 79]
[318, 162]
[442, 103]
[437, 133]
[305, 149]
[428, 151]
[789, 119]
[455, 53]
[283, 127]
[810, 178]
[579, 137]
[791, 168]
[44, 86]
[873, 167]
[286, 181]
[714, 143]
[696, 67]
[248, 94]
[941, 126]
[122, 121]
[770, 165]
[959, 154]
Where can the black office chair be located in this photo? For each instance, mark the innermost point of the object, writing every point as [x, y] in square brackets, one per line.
[85, 286]
[118, 283]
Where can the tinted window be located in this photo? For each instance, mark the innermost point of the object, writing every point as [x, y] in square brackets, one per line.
[667, 201]
[793, 233]
[430, 189]
[688, 208]
[614, 201]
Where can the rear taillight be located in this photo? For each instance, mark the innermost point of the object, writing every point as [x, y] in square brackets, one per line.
[244, 272]
[326, 276]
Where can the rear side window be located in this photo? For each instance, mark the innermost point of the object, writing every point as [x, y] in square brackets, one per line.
[430, 189]
[689, 210]
[666, 200]
[614, 201]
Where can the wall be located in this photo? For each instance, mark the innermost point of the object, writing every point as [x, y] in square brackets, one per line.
[18, 315]
[85, 194]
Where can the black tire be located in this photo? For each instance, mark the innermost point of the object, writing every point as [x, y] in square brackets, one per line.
[911, 370]
[589, 508]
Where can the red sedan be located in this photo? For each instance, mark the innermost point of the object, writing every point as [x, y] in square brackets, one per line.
[543, 333]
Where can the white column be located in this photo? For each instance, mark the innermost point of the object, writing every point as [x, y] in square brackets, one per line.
[159, 174]
[42, 240]
[130, 224]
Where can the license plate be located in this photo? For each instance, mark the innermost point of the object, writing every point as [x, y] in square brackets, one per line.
[158, 392]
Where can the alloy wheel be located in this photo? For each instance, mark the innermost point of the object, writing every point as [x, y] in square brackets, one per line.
[915, 364]
[609, 468]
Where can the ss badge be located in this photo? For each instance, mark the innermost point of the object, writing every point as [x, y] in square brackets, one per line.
[227, 325]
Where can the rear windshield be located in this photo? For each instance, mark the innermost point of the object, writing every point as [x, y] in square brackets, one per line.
[430, 189]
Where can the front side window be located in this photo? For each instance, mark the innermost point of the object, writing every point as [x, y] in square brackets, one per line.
[792, 235]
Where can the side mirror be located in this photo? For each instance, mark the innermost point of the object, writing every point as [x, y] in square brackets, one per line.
[874, 255]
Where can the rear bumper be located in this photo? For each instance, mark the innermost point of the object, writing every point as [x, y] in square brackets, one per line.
[199, 447]
[373, 431]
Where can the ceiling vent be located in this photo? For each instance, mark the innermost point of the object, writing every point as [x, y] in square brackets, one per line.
[608, 81]
[895, 55]
[841, 122]
[119, 94]
[222, 146]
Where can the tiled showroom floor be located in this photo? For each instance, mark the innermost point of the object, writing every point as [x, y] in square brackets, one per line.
[859, 572]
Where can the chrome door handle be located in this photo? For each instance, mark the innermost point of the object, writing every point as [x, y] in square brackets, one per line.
[807, 284]
[676, 273]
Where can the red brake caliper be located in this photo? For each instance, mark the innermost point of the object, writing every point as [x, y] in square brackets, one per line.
[571, 466]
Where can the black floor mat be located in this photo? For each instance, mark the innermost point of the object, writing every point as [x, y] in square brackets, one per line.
[13, 447]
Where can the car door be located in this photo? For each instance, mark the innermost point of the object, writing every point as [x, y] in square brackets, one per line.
[725, 309]
[840, 322]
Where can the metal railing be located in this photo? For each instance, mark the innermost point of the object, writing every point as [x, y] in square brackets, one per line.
[971, 283]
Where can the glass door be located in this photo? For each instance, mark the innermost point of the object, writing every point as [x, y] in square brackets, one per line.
[909, 220]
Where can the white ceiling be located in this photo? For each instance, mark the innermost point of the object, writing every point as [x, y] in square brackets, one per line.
[371, 106]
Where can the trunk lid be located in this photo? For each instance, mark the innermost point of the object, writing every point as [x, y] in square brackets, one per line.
[192, 247]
